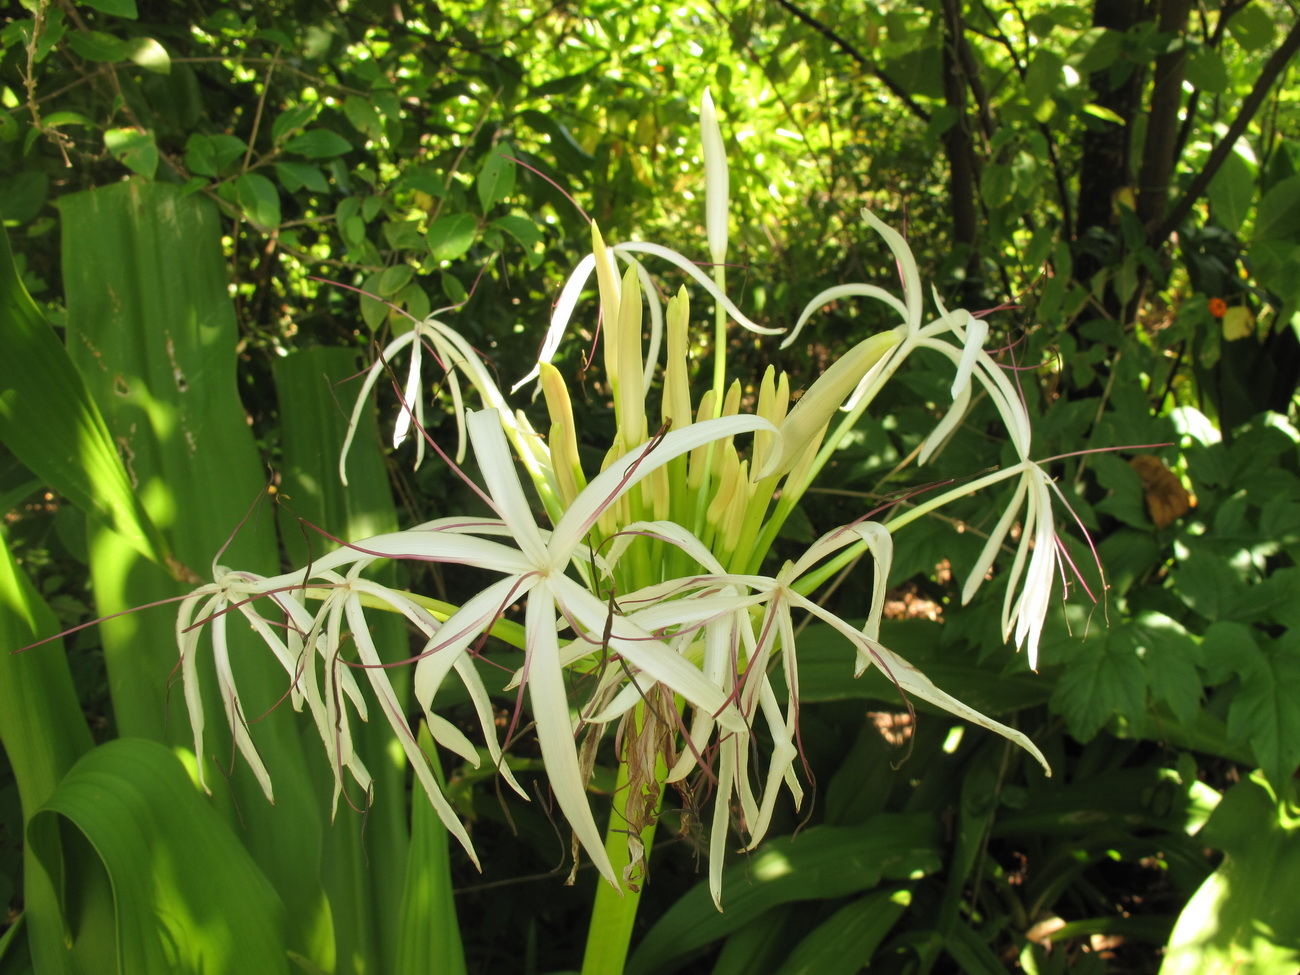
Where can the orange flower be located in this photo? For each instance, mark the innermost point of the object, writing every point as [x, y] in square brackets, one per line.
[1218, 307]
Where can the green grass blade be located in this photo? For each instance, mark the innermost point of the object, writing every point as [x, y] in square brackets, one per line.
[186, 896]
[50, 422]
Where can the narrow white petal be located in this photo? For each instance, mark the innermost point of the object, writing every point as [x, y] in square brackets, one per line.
[561, 314]
[498, 468]
[837, 293]
[550, 704]
[672, 257]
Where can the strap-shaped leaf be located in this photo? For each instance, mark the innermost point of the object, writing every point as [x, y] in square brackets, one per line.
[50, 422]
[186, 895]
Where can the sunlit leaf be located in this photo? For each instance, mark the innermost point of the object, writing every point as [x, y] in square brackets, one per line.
[133, 149]
[452, 236]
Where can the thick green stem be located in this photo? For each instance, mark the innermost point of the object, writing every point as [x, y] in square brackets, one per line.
[612, 916]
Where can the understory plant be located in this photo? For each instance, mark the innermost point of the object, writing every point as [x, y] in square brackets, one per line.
[652, 604]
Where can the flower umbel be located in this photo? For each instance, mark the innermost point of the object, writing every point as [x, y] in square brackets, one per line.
[649, 579]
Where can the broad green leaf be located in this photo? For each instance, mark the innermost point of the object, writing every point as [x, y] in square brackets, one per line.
[186, 896]
[210, 155]
[1169, 654]
[521, 229]
[291, 120]
[50, 422]
[1232, 191]
[845, 942]
[818, 863]
[1279, 213]
[43, 732]
[496, 177]
[452, 236]
[1243, 917]
[95, 45]
[22, 196]
[365, 856]
[318, 144]
[429, 936]
[133, 149]
[394, 279]
[1106, 677]
[363, 116]
[297, 175]
[1206, 71]
[160, 361]
[149, 54]
[1252, 27]
[118, 8]
[1266, 711]
[373, 310]
[259, 198]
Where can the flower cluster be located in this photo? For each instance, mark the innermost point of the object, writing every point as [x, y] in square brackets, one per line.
[651, 576]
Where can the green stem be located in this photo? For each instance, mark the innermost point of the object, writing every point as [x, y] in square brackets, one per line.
[614, 913]
[719, 341]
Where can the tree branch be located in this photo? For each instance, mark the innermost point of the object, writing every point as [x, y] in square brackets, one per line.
[1268, 75]
[865, 62]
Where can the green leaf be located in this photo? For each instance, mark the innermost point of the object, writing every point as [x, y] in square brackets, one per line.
[845, 942]
[1243, 917]
[1252, 27]
[1279, 212]
[297, 175]
[429, 939]
[1266, 712]
[291, 120]
[211, 155]
[1106, 677]
[161, 362]
[259, 199]
[133, 149]
[149, 54]
[1170, 654]
[394, 279]
[1231, 192]
[118, 8]
[186, 896]
[363, 116]
[1103, 113]
[522, 229]
[1206, 71]
[318, 144]
[49, 421]
[373, 311]
[43, 732]
[95, 45]
[821, 862]
[496, 177]
[452, 236]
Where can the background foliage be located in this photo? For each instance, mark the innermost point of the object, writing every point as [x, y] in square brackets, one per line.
[1121, 180]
